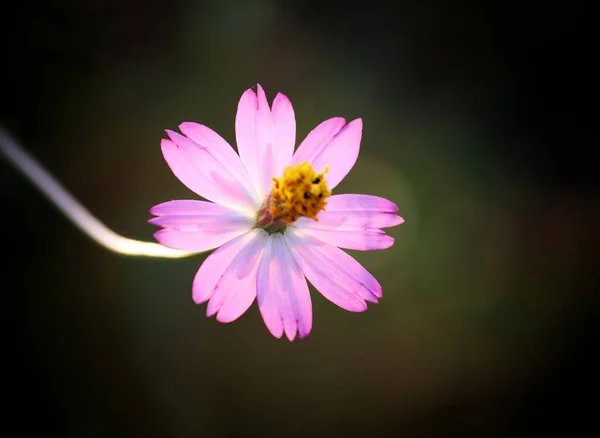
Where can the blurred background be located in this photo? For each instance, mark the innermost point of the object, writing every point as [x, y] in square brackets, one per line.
[473, 125]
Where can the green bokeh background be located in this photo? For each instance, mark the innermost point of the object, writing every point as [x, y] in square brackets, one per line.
[481, 298]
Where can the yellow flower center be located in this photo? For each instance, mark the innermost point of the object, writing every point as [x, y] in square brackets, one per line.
[299, 192]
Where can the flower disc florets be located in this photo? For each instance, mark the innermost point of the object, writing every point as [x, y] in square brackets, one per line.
[299, 192]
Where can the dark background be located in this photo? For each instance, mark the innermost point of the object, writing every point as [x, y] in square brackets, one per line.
[476, 124]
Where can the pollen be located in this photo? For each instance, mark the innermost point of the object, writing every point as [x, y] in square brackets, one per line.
[299, 192]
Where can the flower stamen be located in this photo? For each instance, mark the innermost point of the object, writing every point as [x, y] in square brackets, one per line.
[299, 192]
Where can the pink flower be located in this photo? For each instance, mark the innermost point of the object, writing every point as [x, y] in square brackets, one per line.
[272, 216]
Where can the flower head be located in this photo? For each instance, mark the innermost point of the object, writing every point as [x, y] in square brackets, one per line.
[272, 215]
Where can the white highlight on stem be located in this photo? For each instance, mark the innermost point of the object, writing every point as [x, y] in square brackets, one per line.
[76, 212]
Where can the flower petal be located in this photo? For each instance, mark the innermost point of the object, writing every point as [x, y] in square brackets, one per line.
[283, 297]
[342, 220]
[354, 202]
[202, 173]
[204, 223]
[221, 150]
[354, 212]
[335, 274]
[369, 239]
[353, 222]
[331, 143]
[255, 136]
[198, 225]
[235, 290]
[202, 237]
[228, 276]
[216, 171]
[214, 266]
[245, 132]
[317, 139]
[192, 215]
[285, 133]
[189, 207]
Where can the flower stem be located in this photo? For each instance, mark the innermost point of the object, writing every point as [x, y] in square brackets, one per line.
[76, 212]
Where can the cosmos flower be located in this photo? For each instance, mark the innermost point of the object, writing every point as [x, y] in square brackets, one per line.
[272, 215]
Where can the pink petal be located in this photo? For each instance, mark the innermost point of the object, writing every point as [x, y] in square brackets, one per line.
[285, 132]
[235, 290]
[228, 276]
[352, 212]
[189, 207]
[354, 202]
[353, 222]
[331, 144]
[221, 150]
[317, 139]
[201, 240]
[265, 142]
[215, 265]
[335, 274]
[283, 297]
[254, 130]
[217, 172]
[195, 167]
[245, 133]
[198, 225]
[342, 220]
[192, 215]
[369, 239]
[204, 223]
